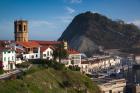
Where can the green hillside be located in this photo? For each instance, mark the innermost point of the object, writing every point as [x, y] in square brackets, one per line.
[49, 80]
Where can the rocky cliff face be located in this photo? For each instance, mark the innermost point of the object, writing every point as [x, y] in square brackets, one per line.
[88, 31]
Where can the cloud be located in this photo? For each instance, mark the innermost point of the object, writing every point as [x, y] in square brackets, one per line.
[41, 23]
[136, 22]
[70, 10]
[65, 19]
[75, 1]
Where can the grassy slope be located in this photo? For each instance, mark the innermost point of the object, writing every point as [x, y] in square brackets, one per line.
[49, 81]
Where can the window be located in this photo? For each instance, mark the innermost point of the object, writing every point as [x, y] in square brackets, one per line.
[32, 56]
[9, 52]
[35, 50]
[24, 57]
[4, 58]
[28, 49]
[114, 59]
[44, 55]
[110, 91]
[20, 27]
[24, 27]
[12, 58]
[36, 55]
[4, 52]
[8, 58]
[48, 53]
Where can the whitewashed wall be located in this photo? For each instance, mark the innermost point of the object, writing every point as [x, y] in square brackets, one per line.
[7, 58]
[47, 54]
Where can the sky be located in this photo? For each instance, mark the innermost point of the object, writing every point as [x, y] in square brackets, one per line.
[47, 19]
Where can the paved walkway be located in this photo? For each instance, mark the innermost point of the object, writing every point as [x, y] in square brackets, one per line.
[6, 75]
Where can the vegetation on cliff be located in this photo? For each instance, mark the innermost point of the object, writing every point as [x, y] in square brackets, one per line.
[41, 79]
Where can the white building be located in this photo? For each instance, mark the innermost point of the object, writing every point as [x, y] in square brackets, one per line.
[137, 59]
[113, 86]
[46, 52]
[99, 63]
[85, 67]
[31, 49]
[74, 58]
[7, 58]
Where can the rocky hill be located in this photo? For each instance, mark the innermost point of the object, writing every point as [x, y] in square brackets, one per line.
[88, 31]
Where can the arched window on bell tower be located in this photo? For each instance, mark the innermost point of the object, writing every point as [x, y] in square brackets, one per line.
[25, 28]
[20, 27]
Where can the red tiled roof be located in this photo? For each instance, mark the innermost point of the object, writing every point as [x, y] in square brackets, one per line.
[47, 42]
[5, 48]
[19, 50]
[43, 48]
[2, 48]
[30, 44]
[72, 51]
[84, 62]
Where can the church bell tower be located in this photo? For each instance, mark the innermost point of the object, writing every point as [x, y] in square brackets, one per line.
[21, 30]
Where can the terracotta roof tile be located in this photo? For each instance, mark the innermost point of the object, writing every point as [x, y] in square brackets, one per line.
[29, 44]
[84, 62]
[43, 48]
[72, 51]
[47, 42]
[5, 48]
[19, 50]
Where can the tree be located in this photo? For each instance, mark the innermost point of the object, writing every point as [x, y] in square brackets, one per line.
[60, 53]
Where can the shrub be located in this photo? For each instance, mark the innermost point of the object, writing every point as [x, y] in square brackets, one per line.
[67, 83]
[74, 68]
[23, 65]
[49, 63]
[1, 71]
[57, 66]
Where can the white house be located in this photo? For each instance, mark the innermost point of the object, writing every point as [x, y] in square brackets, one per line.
[7, 58]
[85, 67]
[31, 49]
[46, 52]
[73, 59]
